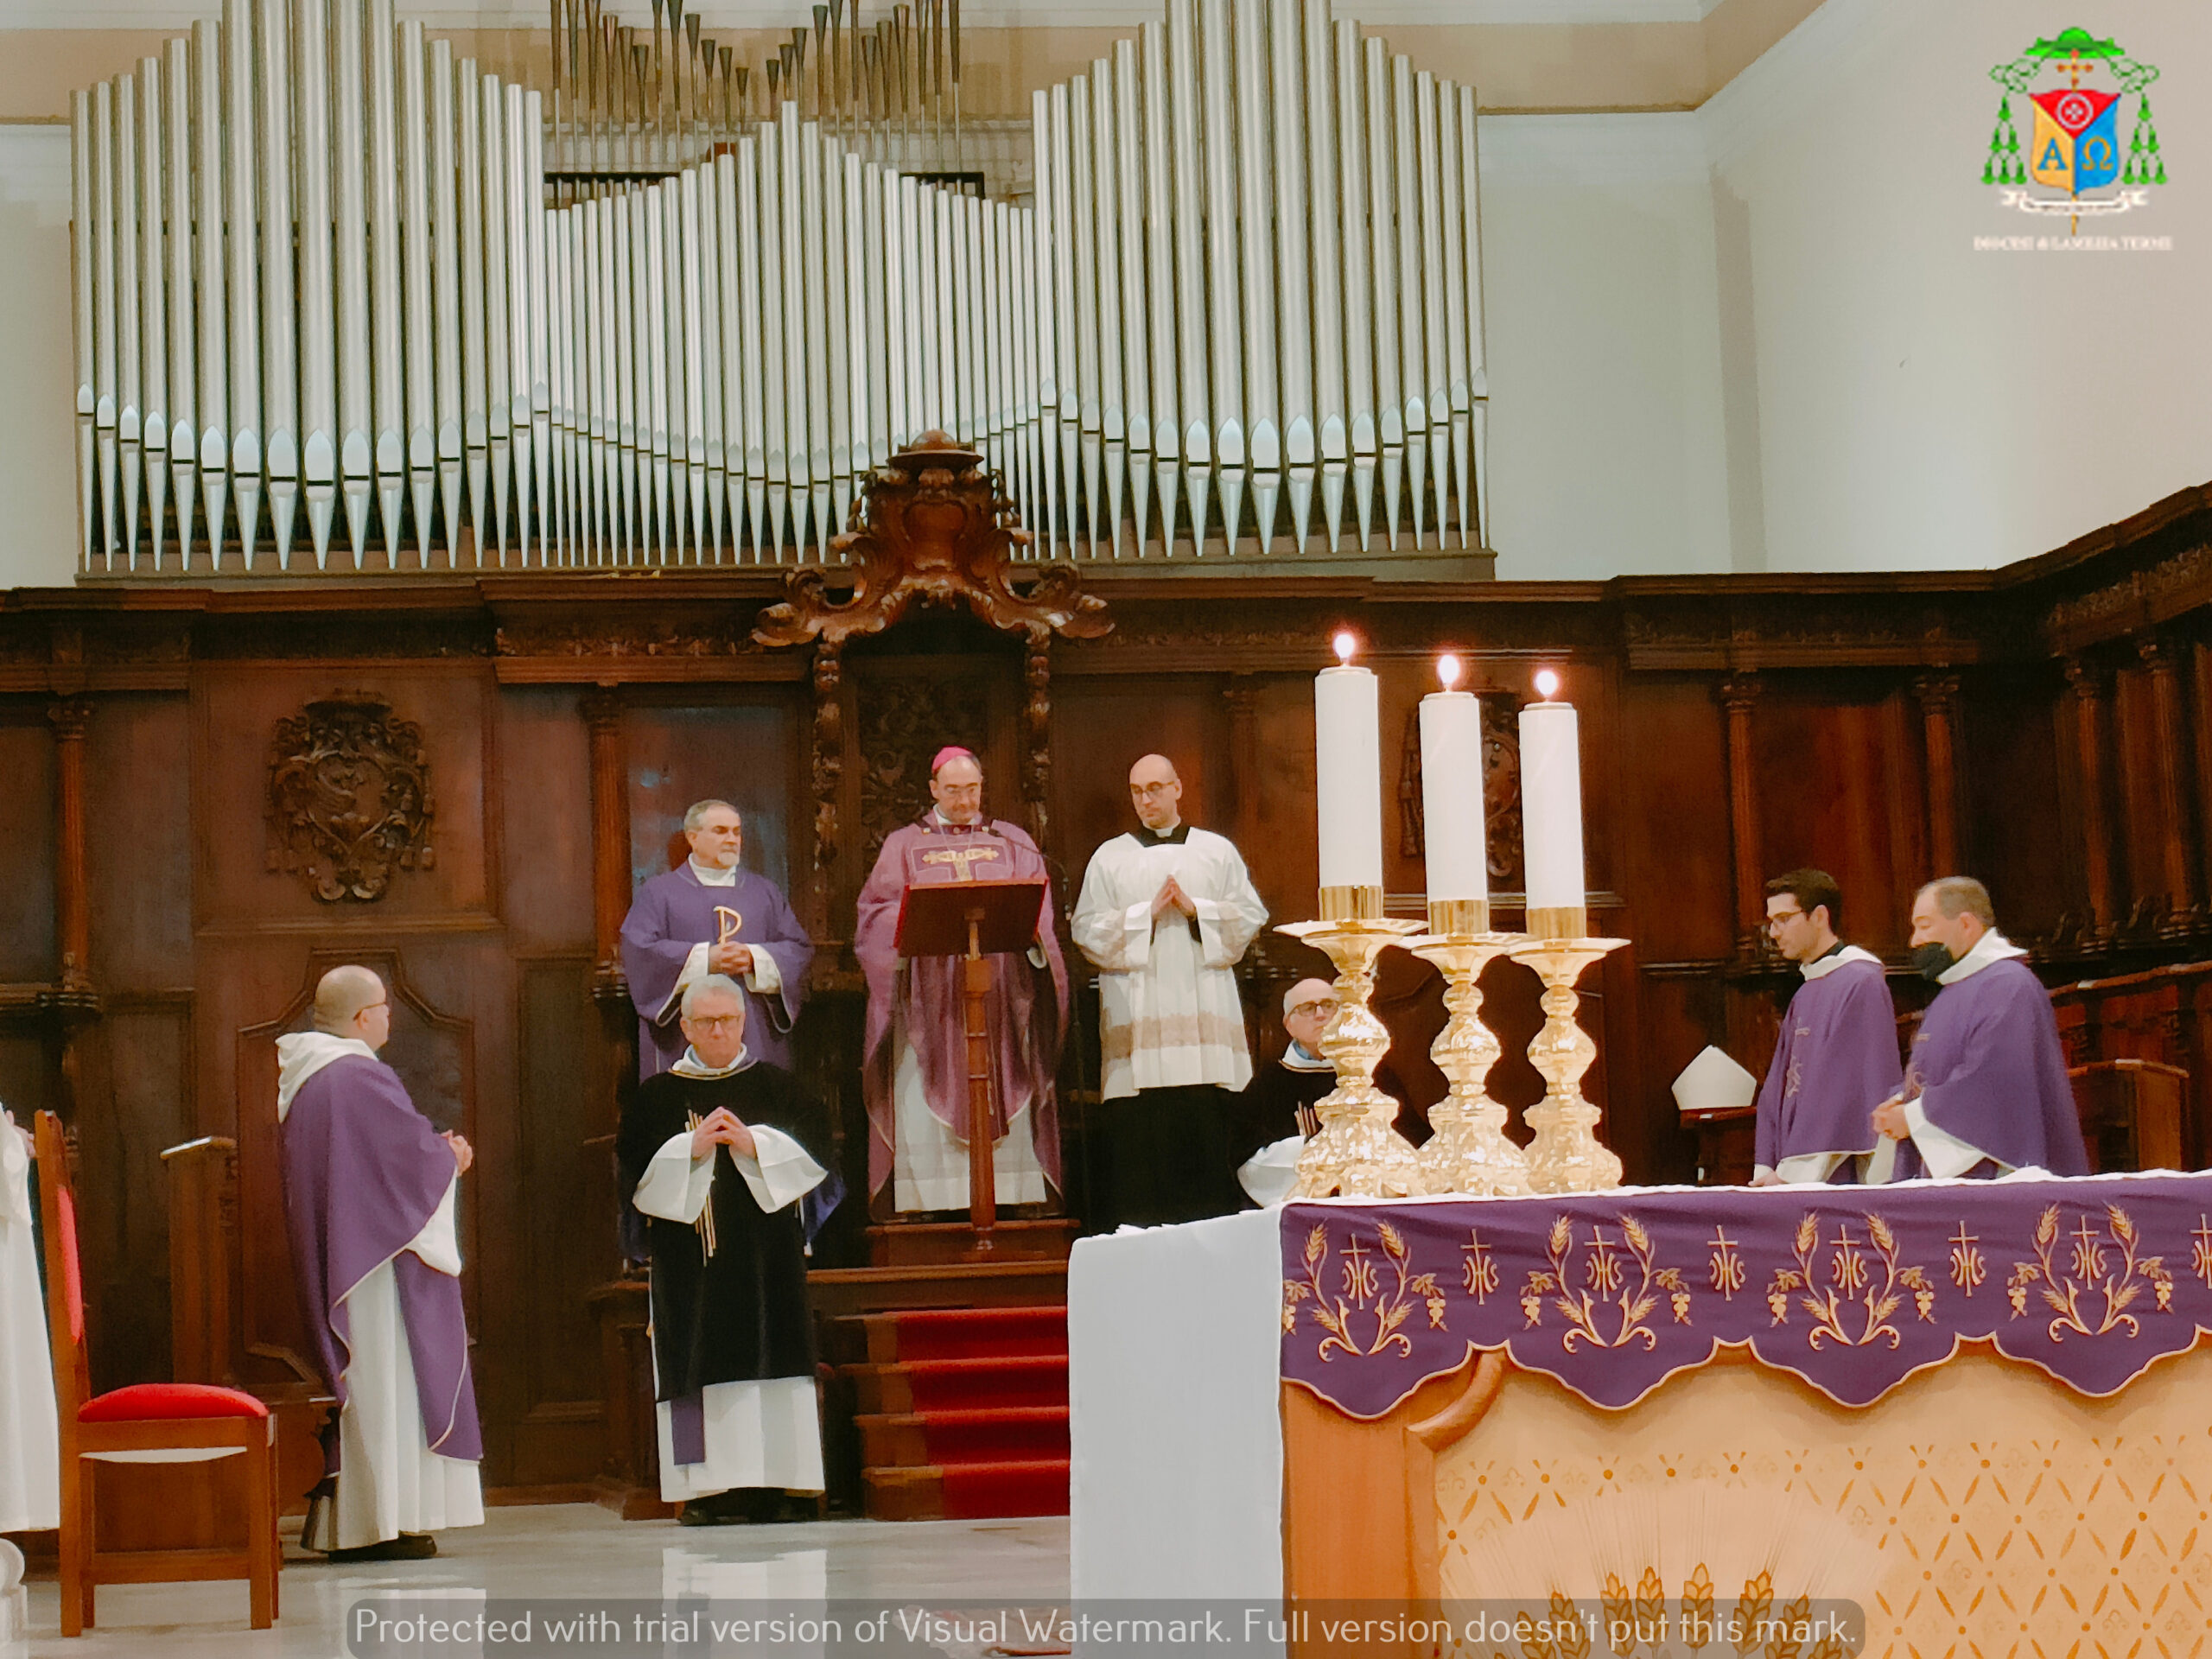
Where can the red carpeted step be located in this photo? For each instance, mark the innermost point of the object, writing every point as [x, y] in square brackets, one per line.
[1018, 1434]
[979, 1491]
[980, 1384]
[982, 1332]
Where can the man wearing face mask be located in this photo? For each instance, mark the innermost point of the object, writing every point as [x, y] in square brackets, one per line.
[1986, 1091]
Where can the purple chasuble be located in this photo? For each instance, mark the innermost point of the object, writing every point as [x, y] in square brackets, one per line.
[1836, 1061]
[1989, 1069]
[675, 912]
[364, 1172]
[1027, 1010]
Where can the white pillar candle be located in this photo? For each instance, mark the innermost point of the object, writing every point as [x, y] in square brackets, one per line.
[1451, 793]
[1348, 775]
[1551, 805]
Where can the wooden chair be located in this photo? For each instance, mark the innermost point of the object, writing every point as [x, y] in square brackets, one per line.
[2132, 1113]
[145, 1423]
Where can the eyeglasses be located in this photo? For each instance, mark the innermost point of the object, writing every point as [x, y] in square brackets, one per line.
[1782, 918]
[1309, 1010]
[715, 1021]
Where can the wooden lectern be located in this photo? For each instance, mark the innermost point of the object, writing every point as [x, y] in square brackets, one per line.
[974, 920]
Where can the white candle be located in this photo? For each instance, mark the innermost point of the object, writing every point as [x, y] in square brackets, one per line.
[1551, 802]
[1452, 789]
[1348, 772]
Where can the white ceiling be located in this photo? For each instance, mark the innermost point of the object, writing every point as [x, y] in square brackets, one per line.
[725, 14]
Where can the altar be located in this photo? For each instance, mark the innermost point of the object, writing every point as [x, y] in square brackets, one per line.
[1972, 1413]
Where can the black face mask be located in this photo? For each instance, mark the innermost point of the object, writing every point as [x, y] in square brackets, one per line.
[1933, 959]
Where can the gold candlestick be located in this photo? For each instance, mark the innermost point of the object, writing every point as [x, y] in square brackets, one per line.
[1467, 1149]
[1358, 1151]
[1566, 1155]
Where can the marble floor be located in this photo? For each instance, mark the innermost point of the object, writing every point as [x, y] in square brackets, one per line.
[573, 1550]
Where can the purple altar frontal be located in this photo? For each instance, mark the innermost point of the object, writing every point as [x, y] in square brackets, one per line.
[1852, 1290]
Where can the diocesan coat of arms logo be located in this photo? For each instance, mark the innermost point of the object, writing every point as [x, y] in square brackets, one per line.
[2073, 90]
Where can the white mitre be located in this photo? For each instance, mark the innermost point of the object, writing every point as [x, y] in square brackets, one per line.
[1713, 1083]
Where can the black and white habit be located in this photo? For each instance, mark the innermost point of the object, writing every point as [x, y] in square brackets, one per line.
[733, 1344]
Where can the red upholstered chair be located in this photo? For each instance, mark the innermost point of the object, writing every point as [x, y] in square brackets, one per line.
[121, 1427]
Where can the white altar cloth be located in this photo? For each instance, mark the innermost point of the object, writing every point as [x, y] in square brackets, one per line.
[1174, 1387]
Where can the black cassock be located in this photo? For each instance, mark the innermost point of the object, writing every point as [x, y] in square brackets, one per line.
[739, 1315]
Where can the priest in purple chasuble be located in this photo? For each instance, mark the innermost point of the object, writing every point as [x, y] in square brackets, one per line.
[1837, 1057]
[1987, 1091]
[710, 916]
[369, 1189]
[914, 1075]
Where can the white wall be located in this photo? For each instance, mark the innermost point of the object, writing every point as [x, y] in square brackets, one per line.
[38, 462]
[1602, 328]
[1921, 404]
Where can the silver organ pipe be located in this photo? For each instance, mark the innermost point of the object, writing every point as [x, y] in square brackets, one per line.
[153, 336]
[674, 312]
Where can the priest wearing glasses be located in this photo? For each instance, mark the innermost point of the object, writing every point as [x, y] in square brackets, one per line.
[718, 1153]
[1837, 1054]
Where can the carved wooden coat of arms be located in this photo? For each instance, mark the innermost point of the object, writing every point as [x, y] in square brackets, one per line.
[349, 797]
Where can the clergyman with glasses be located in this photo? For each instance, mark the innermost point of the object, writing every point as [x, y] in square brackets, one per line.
[1165, 914]
[718, 1153]
[1837, 1057]
[1277, 1109]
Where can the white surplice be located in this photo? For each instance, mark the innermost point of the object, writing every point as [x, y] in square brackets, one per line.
[759, 1433]
[389, 1480]
[30, 1444]
[1169, 1013]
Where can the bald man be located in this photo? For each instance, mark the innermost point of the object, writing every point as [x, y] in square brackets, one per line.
[1166, 911]
[369, 1189]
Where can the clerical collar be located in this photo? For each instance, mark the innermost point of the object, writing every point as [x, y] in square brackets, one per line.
[1297, 1059]
[936, 820]
[1821, 967]
[692, 1066]
[710, 876]
[1990, 947]
[1151, 837]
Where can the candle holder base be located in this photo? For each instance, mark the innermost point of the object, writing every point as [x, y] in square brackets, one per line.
[1566, 1154]
[1467, 1150]
[1358, 1152]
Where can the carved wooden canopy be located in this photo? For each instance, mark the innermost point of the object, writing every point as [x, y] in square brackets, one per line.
[933, 526]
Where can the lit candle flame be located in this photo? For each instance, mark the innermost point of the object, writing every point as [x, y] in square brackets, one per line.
[1447, 670]
[1345, 644]
[1546, 683]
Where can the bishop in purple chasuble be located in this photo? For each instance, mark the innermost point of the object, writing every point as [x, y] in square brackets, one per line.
[921, 1003]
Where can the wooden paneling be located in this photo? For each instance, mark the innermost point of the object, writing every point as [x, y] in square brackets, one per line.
[566, 1214]
[741, 751]
[1101, 728]
[139, 854]
[236, 712]
[136, 1068]
[1674, 765]
[545, 770]
[29, 954]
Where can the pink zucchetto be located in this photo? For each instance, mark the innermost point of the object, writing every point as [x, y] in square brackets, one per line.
[952, 752]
